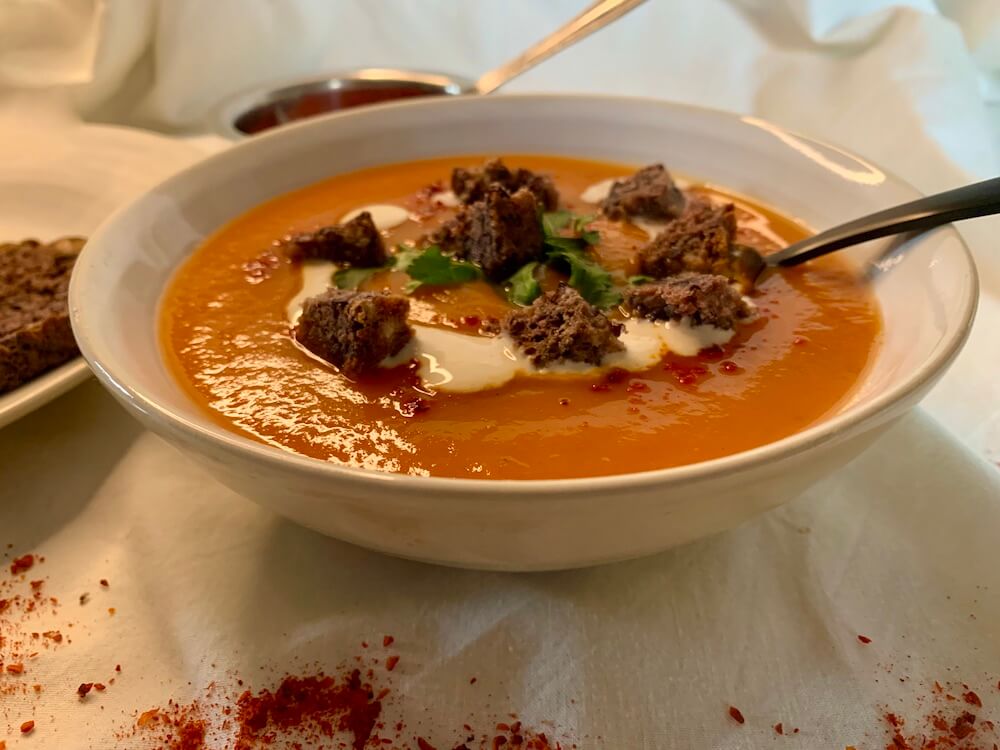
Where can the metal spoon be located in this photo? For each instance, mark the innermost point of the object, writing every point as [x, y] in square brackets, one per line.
[594, 18]
[979, 199]
[259, 109]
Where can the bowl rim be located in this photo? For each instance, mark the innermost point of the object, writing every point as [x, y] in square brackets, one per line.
[524, 489]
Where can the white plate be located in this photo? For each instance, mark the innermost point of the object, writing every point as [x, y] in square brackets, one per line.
[58, 182]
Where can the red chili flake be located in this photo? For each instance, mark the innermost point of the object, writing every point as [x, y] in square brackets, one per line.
[972, 699]
[35, 585]
[564, 402]
[37, 688]
[15, 668]
[3, 745]
[53, 635]
[321, 703]
[778, 728]
[424, 744]
[391, 662]
[364, 644]
[473, 321]
[388, 641]
[963, 726]
[21, 564]
[616, 375]
[85, 687]
[736, 715]
[84, 598]
[712, 354]
[729, 367]
[600, 387]
[864, 639]
[473, 680]
[104, 582]
[111, 610]
[685, 373]
[27, 727]
[637, 386]
[118, 667]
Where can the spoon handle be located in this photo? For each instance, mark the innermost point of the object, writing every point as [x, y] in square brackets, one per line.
[979, 199]
[594, 18]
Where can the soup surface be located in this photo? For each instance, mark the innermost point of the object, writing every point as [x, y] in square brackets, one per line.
[225, 334]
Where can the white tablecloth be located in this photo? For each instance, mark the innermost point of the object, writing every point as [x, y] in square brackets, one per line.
[900, 546]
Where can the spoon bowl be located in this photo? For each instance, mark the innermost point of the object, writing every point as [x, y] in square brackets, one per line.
[256, 110]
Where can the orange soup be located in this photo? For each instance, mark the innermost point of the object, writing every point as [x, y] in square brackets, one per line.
[226, 334]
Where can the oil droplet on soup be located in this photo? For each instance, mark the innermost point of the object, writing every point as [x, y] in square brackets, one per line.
[225, 336]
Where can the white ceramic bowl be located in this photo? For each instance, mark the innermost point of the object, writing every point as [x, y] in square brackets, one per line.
[927, 289]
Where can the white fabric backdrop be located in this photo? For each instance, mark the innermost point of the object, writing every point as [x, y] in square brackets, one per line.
[899, 546]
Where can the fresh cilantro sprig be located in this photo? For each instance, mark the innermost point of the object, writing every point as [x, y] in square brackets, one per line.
[433, 268]
[640, 279]
[588, 277]
[352, 278]
[570, 251]
[424, 266]
[523, 287]
[555, 222]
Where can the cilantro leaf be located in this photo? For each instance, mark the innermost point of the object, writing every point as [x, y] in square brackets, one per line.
[522, 287]
[640, 279]
[352, 278]
[580, 223]
[553, 222]
[432, 267]
[404, 256]
[568, 244]
[588, 278]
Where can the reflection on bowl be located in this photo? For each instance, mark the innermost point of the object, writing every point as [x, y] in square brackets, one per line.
[927, 296]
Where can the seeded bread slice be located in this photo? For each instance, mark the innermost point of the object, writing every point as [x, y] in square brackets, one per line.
[35, 333]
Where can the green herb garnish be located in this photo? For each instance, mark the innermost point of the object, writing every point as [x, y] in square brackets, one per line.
[522, 287]
[588, 278]
[553, 222]
[352, 278]
[569, 244]
[404, 256]
[640, 279]
[432, 267]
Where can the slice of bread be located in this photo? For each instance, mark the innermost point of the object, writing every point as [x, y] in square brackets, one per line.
[35, 333]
